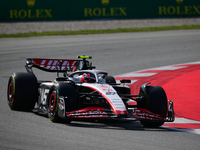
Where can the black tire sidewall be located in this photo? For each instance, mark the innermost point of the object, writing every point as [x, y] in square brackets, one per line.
[69, 92]
[24, 94]
[155, 100]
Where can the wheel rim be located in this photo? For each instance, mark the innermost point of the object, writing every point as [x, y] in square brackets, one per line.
[10, 93]
[52, 101]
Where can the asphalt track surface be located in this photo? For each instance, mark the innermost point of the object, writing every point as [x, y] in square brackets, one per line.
[115, 53]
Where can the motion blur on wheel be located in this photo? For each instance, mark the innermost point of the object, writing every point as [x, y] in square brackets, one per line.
[82, 92]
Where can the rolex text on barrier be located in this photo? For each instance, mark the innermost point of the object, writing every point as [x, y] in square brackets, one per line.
[47, 10]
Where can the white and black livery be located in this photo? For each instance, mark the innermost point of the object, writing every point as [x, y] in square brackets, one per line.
[85, 93]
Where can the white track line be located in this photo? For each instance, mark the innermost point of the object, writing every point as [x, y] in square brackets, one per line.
[171, 67]
[183, 120]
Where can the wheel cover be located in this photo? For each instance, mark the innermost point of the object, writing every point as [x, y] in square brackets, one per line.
[10, 93]
[52, 102]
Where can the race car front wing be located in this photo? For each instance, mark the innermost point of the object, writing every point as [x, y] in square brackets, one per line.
[136, 113]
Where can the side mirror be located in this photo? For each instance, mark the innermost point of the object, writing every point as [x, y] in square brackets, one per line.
[125, 81]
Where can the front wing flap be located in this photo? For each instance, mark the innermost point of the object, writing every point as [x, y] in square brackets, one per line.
[88, 112]
[144, 114]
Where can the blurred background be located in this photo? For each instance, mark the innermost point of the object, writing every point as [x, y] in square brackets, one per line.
[51, 10]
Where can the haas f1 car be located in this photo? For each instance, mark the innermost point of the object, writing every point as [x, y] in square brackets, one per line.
[85, 93]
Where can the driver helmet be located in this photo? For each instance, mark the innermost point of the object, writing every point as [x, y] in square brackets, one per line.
[87, 78]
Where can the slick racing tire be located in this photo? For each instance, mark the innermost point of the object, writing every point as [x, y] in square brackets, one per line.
[155, 101]
[66, 92]
[22, 91]
[110, 80]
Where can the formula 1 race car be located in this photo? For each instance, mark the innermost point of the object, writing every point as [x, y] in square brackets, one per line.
[85, 93]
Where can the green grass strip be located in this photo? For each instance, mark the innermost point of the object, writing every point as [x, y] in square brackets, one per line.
[120, 30]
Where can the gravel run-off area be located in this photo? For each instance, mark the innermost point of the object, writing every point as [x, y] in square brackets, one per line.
[26, 27]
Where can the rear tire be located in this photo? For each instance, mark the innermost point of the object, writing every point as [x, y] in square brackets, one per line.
[22, 91]
[155, 101]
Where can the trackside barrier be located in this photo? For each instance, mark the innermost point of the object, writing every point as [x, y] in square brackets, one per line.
[48, 10]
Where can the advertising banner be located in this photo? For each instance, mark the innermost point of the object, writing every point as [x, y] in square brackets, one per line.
[55, 10]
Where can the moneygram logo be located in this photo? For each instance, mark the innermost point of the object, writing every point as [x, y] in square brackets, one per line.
[30, 3]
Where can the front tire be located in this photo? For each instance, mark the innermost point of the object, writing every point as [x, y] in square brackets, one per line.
[62, 91]
[155, 101]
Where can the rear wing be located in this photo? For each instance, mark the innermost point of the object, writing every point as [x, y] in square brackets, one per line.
[52, 65]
